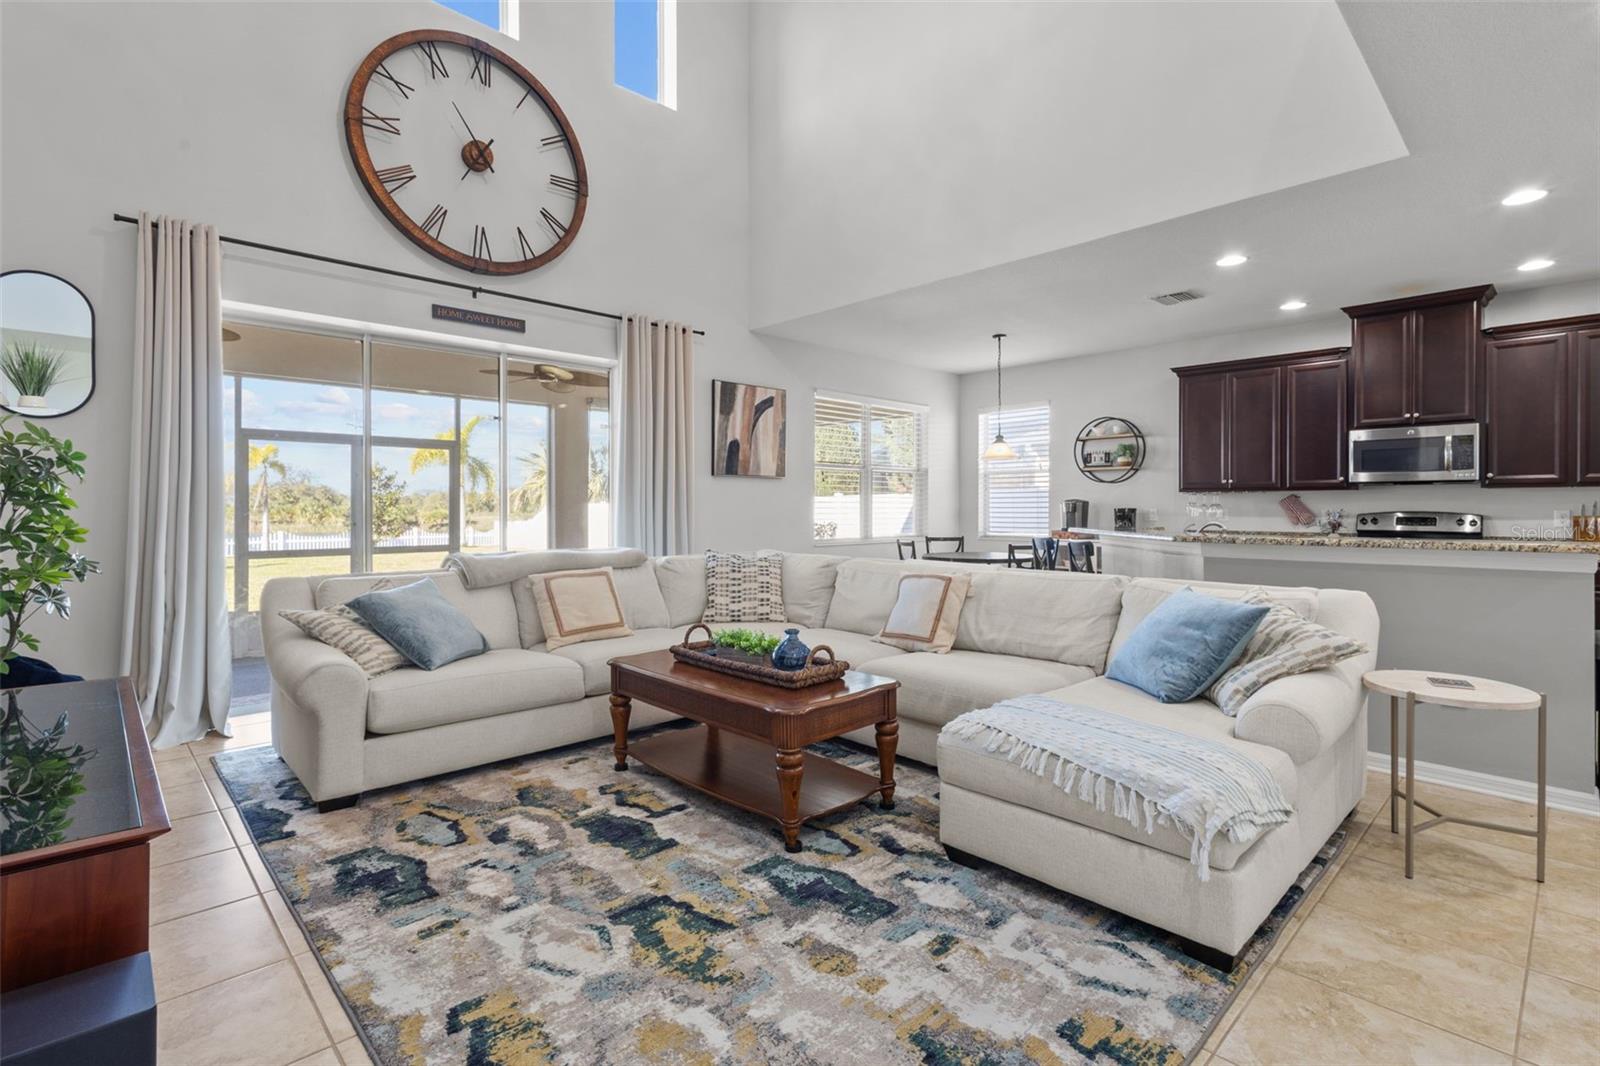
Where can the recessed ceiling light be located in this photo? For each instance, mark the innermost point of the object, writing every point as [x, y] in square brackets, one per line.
[1232, 259]
[1525, 196]
[1292, 305]
[1537, 264]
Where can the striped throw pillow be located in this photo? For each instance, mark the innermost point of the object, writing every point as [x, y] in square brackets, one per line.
[340, 627]
[744, 588]
[1284, 644]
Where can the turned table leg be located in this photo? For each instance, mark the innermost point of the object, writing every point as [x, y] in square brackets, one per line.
[888, 737]
[790, 765]
[620, 708]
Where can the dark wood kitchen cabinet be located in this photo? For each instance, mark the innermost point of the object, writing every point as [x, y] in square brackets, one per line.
[1201, 406]
[1527, 421]
[1252, 442]
[1266, 423]
[1416, 361]
[1542, 403]
[1316, 416]
[1584, 345]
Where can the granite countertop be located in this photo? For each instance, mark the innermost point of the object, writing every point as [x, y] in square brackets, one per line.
[1322, 540]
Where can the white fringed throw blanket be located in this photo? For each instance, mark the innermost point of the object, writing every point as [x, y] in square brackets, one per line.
[1147, 774]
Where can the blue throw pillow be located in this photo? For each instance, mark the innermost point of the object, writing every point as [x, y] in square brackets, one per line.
[421, 624]
[1185, 644]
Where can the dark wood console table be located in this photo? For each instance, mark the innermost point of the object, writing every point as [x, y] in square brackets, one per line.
[75, 893]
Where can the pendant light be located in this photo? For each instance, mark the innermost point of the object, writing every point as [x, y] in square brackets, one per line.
[998, 448]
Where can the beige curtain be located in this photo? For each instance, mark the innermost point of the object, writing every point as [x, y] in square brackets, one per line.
[655, 477]
[175, 619]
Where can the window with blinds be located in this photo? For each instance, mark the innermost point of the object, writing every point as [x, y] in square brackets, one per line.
[870, 469]
[1014, 494]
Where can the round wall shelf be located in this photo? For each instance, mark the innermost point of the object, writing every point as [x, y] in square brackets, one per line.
[1109, 450]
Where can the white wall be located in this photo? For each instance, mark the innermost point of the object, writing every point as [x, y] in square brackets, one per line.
[1138, 384]
[230, 113]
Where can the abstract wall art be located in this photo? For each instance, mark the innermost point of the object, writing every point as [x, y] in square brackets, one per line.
[748, 428]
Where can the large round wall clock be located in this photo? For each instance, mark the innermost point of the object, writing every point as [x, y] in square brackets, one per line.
[466, 152]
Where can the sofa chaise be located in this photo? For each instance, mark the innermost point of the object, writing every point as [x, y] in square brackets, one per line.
[1020, 633]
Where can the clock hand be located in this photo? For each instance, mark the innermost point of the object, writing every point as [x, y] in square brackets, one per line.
[471, 136]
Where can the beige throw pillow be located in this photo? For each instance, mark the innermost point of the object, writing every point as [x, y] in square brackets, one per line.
[926, 612]
[578, 605]
[340, 627]
[1283, 645]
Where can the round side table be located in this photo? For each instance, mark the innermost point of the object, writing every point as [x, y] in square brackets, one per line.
[1479, 694]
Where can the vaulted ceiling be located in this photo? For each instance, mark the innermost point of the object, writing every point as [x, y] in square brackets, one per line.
[924, 175]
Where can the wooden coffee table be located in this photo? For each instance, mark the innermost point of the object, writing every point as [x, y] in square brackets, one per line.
[749, 748]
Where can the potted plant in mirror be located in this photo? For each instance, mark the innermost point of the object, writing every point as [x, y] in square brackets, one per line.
[38, 538]
[32, 369]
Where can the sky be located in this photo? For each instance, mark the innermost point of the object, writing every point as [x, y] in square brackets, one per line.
[636, 30]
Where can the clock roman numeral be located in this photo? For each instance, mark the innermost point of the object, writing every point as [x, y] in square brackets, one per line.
[553, 141]
[527, 249]
[433, 225]
[480, 244]
[436, 67]
[525, 96]
[401, 87]
[565, 184]
[482, 66]
[381, 123]
[557, 227]
[398, 177]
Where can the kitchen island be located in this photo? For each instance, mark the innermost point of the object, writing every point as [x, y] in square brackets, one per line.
[1519, 610]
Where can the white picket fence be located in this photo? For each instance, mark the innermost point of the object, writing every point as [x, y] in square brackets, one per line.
[282, 540]
[522, 534]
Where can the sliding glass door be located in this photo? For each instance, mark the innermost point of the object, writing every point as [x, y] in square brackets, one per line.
[351, 454]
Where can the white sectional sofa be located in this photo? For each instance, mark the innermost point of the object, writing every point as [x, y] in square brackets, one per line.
[1021, 632]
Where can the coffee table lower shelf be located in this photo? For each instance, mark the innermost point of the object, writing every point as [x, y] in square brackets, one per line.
[743, 772]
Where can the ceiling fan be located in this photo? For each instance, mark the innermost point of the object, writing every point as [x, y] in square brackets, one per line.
[557, 379]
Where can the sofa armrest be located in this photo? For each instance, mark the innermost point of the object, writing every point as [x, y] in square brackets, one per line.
[1305, 715]
[319, 678]
[319, 698]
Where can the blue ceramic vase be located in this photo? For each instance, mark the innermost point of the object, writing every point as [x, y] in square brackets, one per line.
[792, 653]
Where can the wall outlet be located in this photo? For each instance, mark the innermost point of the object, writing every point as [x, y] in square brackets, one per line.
[1563, 519]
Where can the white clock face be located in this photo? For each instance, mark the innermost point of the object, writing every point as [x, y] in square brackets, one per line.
[466, 152]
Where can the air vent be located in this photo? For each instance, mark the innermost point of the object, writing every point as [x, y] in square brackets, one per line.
[1183, 296]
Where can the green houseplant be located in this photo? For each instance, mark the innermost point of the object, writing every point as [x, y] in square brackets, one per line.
[32, 369]
[744, 644]
[40, 770]
[37, 532]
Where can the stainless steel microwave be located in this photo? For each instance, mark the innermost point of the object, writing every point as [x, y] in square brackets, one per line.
[1416, 453]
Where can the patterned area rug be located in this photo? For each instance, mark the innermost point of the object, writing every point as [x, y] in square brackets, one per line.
[550, 909]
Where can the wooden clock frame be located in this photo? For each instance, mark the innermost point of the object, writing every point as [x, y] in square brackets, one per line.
[355, 119]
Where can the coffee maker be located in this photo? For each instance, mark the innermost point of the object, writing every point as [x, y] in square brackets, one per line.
[1074, 514]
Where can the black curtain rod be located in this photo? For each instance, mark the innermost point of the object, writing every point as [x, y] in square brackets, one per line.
[475, 290]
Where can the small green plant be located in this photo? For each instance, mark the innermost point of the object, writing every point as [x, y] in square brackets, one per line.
[32, 369]
[746, 640]
[37, 532]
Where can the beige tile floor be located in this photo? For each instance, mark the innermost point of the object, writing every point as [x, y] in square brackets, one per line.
[1471, 962]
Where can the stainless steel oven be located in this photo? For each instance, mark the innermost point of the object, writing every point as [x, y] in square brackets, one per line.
[1416, 453]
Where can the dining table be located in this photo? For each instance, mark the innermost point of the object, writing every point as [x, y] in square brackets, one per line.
[986, 558]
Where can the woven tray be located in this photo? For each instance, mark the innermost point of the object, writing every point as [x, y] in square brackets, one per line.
[730, 661]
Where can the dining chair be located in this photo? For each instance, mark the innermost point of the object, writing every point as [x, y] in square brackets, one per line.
[1045, 552]
[1080, 557]
[1020, 556]
[909, 544]
[957, 544]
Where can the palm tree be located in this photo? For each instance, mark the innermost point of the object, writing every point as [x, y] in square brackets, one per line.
[478, 470]
[529, 497]
[265, 458]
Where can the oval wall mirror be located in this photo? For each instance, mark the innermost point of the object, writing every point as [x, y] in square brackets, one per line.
[46, 345]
